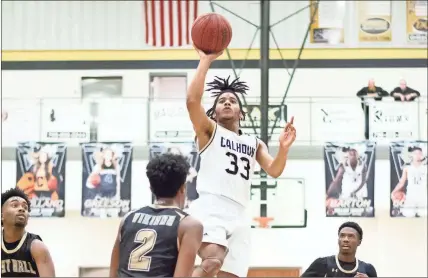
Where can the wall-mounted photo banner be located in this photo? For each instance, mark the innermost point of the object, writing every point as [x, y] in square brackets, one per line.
[187, 149]
[349, 179]
[40, 173]
[106, 179]
[408, 162]
[416, 21]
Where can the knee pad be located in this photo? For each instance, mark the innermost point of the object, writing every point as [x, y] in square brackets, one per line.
[211, 265]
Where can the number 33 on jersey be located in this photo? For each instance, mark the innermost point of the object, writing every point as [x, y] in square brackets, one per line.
[227, 165]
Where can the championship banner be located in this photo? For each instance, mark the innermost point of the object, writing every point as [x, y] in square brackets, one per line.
[394, 121]
[417, 21]
[187, 149]
[374, 21]
[408, 162]
[40, 174]
[349, 178]
[106, 179]
[328, 22]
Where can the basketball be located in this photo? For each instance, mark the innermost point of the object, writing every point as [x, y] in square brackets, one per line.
[211, 33]
[95, 180]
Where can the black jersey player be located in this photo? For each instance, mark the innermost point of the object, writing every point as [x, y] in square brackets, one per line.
[345, 263]
[23, 254]
[159, 240]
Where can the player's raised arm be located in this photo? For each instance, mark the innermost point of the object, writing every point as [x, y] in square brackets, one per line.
[189, 238]
[275, 166]
[337, 181]
[202, 125]
[401, 183]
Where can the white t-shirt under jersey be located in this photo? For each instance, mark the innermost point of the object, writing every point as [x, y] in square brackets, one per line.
[227, 165]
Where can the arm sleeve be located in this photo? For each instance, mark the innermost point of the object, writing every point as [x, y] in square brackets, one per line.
[371, 271]
[318, 268]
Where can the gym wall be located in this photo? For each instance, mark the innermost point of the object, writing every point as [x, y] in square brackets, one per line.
[87, 242]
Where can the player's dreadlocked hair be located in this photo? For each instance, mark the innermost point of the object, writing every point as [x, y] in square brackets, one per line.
[220, 86]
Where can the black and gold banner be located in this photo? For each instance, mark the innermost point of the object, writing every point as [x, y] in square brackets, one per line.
[349, 179]
[40, 169]
[408, 162]
[106, 179]
[187, 149]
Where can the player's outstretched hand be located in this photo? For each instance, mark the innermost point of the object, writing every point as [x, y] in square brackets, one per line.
[210, 57]
[359, 274]
[288, 135]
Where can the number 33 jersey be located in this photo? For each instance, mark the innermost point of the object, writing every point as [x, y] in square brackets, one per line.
[227, 165]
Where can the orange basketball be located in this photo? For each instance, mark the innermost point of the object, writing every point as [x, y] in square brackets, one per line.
[211, 33]
[95, 180]
[52, 183]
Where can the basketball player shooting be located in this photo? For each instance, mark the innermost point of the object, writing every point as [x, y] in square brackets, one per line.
[344, 264]
[227, 164]
[159, 240]
[23, 254]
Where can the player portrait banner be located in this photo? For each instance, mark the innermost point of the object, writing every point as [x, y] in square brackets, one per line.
[374, 21]
[40, 174]
[188, 150]
[416, 21]
[408, 162]
[328, 21]
[349, 179]
[106, 179]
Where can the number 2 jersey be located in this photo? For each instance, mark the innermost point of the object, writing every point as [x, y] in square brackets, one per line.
[227, 165]
[149, 242]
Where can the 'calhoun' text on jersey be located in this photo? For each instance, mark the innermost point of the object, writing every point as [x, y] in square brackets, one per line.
[149, 242]
[227, 165]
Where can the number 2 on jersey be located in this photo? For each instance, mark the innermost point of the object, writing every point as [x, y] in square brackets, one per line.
[138, 261]
[234, 162]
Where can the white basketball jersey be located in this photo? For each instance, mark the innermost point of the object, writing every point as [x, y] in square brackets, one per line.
[416, 176]
[227, 165]
[352, 178]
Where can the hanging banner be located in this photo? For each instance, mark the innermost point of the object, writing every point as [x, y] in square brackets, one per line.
[328, 21]
[187, 149]
[393, 121]
[374, 21]
[417, 21]
[340, 121]
[106, 179]
[408, 162]
[164, 116]
[41, 175]
[349, 178]
[58, 126]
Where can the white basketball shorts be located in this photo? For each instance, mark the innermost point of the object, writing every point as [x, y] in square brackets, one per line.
[225, 223]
